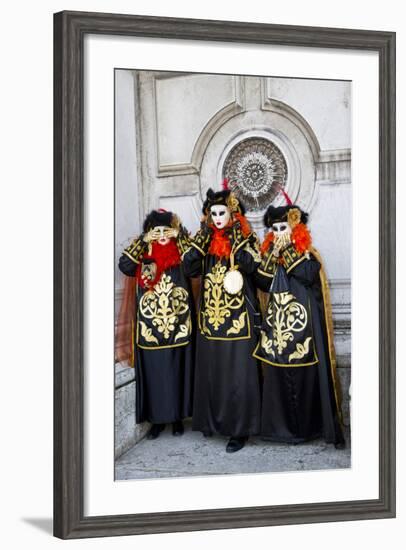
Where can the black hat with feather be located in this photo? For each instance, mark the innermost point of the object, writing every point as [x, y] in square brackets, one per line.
[226, 197]
[291, 213]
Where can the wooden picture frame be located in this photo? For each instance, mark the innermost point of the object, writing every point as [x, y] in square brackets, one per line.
[69, 31]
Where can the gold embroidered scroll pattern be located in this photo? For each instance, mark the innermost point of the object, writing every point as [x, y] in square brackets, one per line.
[218, 303]
[147, 333]
[184, 330]
[238, 324]
[301, 349]
[267, 344]
[285, 316]
[164, 304]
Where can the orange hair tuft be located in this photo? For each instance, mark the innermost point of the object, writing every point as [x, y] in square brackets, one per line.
[301, 238]
[245, 224]
[269, 238]
[220, 245]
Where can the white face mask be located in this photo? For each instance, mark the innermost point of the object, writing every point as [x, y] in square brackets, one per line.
[281, 228]
[220, 215]
[162, 229]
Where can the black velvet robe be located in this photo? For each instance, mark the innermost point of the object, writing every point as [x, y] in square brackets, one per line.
[299, 403]
[163, 346]
[227, 385]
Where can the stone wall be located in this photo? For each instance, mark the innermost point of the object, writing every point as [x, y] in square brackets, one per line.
[127, 433]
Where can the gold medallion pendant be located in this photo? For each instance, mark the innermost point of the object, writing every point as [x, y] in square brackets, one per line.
[223, 314]
[233, 280]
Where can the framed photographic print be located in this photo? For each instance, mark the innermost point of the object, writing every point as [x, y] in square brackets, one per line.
[224, 275]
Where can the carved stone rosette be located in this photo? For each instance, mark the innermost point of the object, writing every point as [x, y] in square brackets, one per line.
[255, 169]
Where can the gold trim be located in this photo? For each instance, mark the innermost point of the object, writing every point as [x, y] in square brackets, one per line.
[240, 245]
[265, 274]
[290, 258]
[162, 347]
[300, 260]
[283, 365]
[269, 260]
[185, 252]
[328, 313]
[198, 248]
[131, 258]
[132, 344]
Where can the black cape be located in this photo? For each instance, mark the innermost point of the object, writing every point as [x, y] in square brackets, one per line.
[299, 400]
[227, 385]
[163, 346]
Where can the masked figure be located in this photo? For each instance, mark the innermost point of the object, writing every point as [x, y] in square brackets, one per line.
[225, 254]
[300, 398]
[163, 340]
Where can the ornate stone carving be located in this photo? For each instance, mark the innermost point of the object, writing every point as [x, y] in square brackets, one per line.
[255, 168]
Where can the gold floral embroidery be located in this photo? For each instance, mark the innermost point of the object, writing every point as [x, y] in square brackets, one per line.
[184, 330]
[163, 305]
[238, 324]
[301, 349]
[285, 316]
[219, 304]
[147, 333]
[267, 344]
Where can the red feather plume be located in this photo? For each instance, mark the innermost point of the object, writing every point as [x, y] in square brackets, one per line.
[287, 198]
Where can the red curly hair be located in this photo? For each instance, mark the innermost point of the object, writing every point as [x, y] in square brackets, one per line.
[164, 256]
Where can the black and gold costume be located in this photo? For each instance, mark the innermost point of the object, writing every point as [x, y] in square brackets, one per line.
[301, 399]
[163, 328]
[227, 390]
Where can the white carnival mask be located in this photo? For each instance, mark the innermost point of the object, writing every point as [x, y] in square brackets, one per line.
[163, 234]
[220, 214]
[281, 228]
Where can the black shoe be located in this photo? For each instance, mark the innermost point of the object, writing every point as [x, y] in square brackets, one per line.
[155, 430]
[177, 428]
[208, 434]
[340, 445]
[235, 444]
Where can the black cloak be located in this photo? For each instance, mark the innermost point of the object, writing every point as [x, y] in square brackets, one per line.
[300, 399]
[163, 342]
[227, 385]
